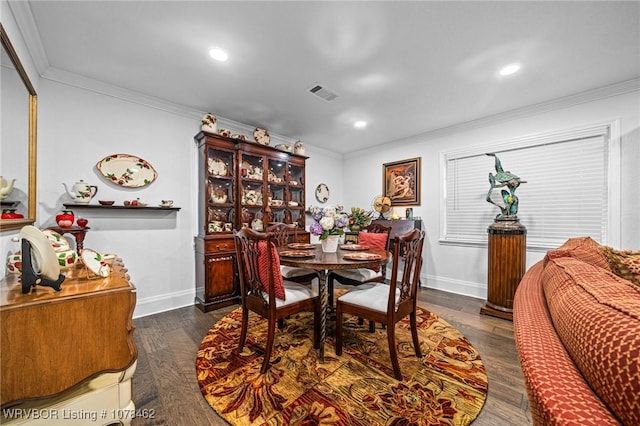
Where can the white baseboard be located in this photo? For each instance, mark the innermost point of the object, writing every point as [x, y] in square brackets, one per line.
[163, 303]
[465, 288]
[171, 301]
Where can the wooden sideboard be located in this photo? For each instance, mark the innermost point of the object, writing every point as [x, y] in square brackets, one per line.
[398, 227]
[54, 341]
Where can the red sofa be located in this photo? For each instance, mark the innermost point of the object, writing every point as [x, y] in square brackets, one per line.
[577, 332]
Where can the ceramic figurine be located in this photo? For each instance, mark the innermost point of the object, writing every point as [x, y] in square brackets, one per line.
[5, 187]
[209, 123]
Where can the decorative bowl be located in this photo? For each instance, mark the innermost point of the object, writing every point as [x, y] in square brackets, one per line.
[66, 258]
[219, 198]
[106, 202]
[108, 258]
[284, 147]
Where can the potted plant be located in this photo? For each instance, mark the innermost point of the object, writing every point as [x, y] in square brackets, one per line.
[358, 218]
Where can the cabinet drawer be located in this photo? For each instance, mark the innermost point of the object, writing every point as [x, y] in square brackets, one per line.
[219, 246]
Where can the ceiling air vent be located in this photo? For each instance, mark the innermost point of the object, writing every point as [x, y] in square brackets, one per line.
[322, 92]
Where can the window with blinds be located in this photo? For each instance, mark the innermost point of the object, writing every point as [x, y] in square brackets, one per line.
[567, 193]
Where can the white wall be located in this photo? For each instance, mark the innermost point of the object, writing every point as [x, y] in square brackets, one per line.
[78, 127]
[464, 269]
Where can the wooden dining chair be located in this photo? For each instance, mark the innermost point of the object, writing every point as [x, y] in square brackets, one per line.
[369, 235]
[388, 303]
[264, 291]
[284, 234]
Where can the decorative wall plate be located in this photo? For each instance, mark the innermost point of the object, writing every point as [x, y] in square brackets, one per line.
[94, 261]
[322, 193]
[261, 136]
[127, 170]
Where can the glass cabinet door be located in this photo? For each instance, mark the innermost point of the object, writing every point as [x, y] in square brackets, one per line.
[277, 190]
[252, 191]
[219, 191]
[295, 195]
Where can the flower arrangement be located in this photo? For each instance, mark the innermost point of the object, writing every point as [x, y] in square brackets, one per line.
[330, 220]
[359, 217]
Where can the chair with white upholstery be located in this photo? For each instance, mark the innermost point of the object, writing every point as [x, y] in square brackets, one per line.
[373, 234]
[388, 303]
[284, 234]
[265, 292]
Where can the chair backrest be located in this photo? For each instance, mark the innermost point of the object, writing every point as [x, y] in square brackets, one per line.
[250, 246]
[408, 252]
[376, 228]
[283, 233]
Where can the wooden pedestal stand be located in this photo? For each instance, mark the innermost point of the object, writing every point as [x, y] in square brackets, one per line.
[507, 265]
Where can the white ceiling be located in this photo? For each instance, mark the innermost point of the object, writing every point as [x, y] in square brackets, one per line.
[405, 67]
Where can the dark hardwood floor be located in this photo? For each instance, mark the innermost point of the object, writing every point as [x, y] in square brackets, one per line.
[165, 384]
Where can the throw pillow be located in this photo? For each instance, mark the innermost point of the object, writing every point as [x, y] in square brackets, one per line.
[581, 248]
[263, 269]
[624, 263]
[373, 239]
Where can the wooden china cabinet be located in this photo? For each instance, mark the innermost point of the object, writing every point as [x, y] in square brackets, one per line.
[240, 183]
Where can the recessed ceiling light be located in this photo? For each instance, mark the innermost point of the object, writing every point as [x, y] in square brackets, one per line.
[361, 124]
[218, 54]
[510, 69]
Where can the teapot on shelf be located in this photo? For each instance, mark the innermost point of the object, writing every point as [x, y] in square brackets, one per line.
[81, 192]
[5, 187]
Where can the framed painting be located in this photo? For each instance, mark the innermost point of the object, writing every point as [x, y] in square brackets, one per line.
[401, 182]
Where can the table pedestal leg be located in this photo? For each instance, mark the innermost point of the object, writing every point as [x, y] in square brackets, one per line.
[324, 302]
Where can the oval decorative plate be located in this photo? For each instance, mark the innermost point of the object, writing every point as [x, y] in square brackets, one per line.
[94, 261]
[301, 246]
[127, 170]
[293, 253]
[362, 256]
[354, 247]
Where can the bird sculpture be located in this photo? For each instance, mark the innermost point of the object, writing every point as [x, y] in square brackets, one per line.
[500, 179]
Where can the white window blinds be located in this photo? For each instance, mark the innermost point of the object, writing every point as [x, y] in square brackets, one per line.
[565, 195]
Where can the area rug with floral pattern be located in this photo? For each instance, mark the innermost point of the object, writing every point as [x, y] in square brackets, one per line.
[447, 386]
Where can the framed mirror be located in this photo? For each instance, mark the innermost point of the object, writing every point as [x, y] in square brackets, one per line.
[19, 144]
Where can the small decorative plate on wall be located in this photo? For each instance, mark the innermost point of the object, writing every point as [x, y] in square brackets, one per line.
[127, 170]
[322, 193]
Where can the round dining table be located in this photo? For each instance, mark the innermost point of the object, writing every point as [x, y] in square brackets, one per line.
[311, 256]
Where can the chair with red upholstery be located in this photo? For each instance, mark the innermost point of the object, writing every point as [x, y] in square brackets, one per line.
[265, 292]
[374, 235]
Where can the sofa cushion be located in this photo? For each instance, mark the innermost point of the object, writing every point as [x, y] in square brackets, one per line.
[624, 263]
[582, 248]
[596, 314]
[558, 393]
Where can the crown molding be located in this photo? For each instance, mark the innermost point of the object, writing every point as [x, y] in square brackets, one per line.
[29, 30]
[592, 95]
